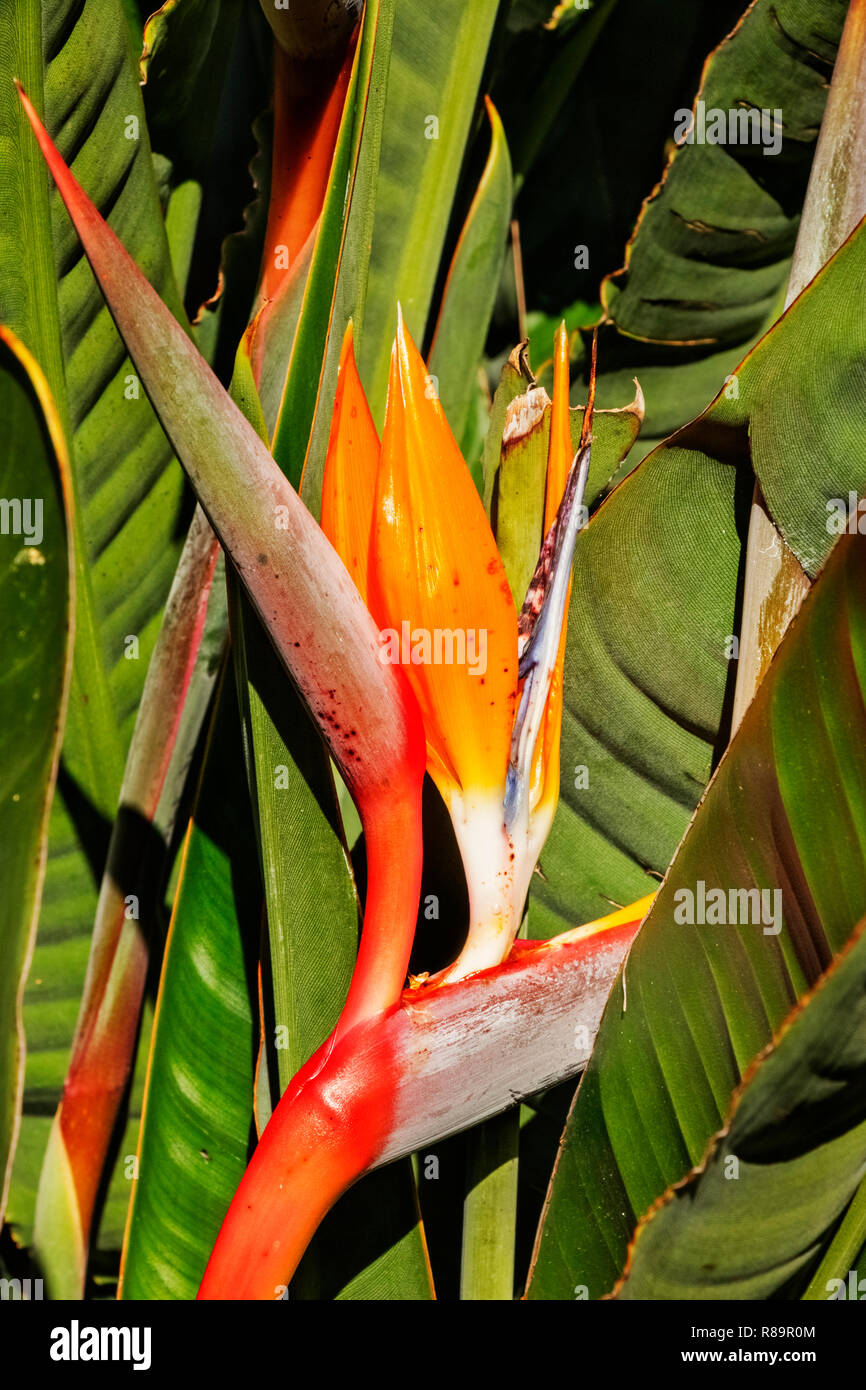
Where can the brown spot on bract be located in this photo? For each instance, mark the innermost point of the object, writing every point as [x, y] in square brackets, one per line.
[263, 559]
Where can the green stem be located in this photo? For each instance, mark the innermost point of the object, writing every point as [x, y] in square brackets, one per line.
[490, 1210]
[844, 1248]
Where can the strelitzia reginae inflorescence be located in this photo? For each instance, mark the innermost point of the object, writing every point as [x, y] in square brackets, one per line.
[408, 522]
[416, 542]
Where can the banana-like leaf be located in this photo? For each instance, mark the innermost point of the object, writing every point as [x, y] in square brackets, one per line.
[312, 907]
[197, 1119]
[570, 176]
[470, 290]
[183, 58]
[765, 891]
[725, 215]
[36, 602]
[128, 490]
[186, 56]
[810, 481]
[550, 68]
[654, 610]
[131, 489]
[437, 58]
[129, 912]
[706, 268]
[776, 1181]
[490, 1210]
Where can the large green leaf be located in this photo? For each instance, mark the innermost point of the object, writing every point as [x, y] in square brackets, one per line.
[705, 987]
[549, 48]
[129, 913]
[470, 290]
[437, 58]
[207, 74]
[186, 46]
[76, 62]
[35, 637]
[707, 266]
[198, 1103]
[586, 170]
[312, 907]
[712, 248]
[490, 1210]
[820, 363]
[775, 1183]
[649, 667]
[129, 486]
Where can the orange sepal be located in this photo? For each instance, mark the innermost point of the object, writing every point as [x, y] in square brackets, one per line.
[349, 485]
[434, 571]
